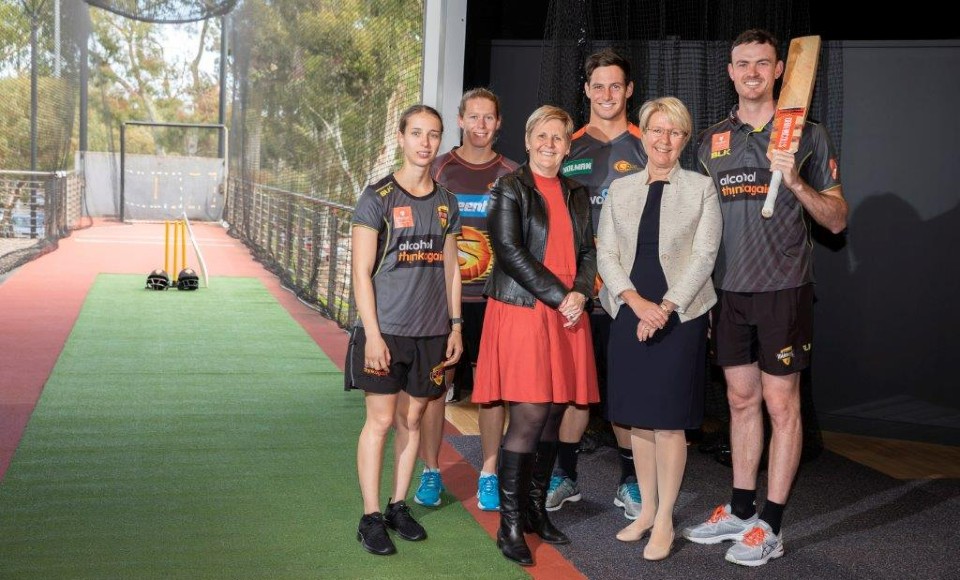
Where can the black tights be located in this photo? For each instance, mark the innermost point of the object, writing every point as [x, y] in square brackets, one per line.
[531, 423]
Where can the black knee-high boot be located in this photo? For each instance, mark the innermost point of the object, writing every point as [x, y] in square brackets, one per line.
[514, 475]
[537, 520]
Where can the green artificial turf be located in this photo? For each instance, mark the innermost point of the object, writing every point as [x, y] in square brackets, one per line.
[204, 435]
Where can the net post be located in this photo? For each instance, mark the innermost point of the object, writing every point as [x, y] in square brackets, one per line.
[123, 172]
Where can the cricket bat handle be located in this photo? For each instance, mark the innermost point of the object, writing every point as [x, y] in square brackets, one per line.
[772, 192]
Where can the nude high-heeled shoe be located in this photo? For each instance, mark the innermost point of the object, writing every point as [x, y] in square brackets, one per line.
[634, 532]
[659, 546]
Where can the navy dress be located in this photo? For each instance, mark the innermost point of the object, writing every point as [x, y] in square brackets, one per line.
[659, 383]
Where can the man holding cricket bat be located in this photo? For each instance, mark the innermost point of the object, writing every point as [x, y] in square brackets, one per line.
[763, 321]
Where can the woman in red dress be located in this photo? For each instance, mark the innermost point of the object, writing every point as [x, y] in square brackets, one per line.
[536, 350]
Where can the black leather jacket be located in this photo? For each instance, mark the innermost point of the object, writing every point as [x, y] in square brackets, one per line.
[517, 222]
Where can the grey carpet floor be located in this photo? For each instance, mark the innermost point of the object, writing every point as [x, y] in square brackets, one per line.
[843, 521]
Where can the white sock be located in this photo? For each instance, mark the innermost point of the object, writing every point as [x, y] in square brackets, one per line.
[486, 474]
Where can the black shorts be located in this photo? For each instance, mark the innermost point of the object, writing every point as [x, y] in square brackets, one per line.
[416, 365]
[774, 329]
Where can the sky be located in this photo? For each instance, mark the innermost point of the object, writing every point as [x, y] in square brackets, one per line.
[181, 43]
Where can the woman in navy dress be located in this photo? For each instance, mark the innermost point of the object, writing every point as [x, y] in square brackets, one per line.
[657, 242]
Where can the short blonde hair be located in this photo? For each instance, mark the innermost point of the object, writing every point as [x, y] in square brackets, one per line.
[673, 108]
[550, 113]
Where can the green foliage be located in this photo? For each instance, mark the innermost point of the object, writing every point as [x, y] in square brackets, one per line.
[317, 85]
[57, 83]
[14, 38]
[15, 123]
[323, 77]
[139, 77]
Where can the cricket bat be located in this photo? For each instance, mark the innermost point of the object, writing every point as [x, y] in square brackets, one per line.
[792, 106]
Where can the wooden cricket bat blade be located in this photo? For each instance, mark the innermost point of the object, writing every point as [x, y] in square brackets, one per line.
[792, 106]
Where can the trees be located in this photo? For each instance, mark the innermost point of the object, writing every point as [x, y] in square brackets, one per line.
[150, 72]
[14, 38]
[325, 82]
[318, 85]
[15, 123]
[34, 48]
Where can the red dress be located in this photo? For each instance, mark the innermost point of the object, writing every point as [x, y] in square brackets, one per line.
[526, 355]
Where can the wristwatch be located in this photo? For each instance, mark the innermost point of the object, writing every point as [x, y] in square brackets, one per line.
[456, 321]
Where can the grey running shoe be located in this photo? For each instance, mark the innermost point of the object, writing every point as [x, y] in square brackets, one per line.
[758, 546]
[562, 489]
[628, 498]
[722, 525]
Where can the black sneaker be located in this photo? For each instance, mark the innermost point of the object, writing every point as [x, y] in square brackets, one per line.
[398, 518]
[373, 535]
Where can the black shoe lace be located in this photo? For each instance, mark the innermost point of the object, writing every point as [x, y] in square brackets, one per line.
[400, 507]
[373, 528]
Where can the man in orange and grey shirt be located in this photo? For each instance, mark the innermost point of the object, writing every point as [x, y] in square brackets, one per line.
[763, 321]
[606, 148]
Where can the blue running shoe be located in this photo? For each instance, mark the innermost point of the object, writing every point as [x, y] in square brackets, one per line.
[431, 486]
[488, 493]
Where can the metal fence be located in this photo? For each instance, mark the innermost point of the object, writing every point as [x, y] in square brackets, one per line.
[311, 90]
[305, 241]
[37, 208]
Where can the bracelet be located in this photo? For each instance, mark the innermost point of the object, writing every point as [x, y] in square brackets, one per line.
[456, 330]
[664, 308]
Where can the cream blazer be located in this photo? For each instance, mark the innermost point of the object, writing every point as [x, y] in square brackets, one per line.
[690, 227]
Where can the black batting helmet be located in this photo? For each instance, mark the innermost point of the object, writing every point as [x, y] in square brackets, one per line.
[158, 280]
[187, 280]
